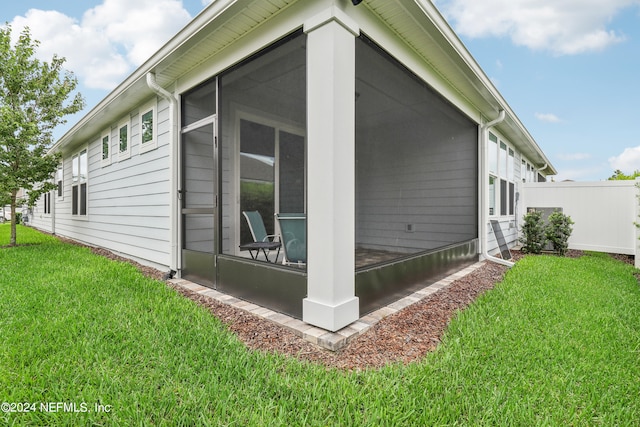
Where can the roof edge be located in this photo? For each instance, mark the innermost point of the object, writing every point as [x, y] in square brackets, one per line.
[206, 16]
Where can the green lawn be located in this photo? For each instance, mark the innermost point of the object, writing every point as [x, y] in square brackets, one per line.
[556, 343]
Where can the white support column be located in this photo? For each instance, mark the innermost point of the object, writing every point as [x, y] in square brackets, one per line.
[331, 302]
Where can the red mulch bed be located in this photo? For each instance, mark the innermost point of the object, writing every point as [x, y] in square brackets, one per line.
[403, 337]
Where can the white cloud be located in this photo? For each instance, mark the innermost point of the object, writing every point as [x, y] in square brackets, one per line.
[574, 156]
[110, 40]
[561, 27]
[548, 117]
[628, 161]
[141, 27]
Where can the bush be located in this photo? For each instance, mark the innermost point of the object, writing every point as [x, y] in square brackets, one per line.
[533, 233]
[558, 231]
[18, 217]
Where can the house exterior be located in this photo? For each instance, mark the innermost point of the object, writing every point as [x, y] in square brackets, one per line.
[371, 121]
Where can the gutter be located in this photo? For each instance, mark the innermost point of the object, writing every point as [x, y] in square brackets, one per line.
[173, 166]
[484, 192]
[541, 169]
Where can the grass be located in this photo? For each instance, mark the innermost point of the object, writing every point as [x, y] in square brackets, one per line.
[556, 343]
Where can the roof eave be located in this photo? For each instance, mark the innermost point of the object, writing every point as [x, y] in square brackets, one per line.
[134, 87]
[490, 93]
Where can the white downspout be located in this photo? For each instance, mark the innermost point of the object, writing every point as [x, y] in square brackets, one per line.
[484, 199]
[541, 169]
[173, 167]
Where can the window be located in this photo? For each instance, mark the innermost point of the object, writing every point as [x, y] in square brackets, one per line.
[79, 183]
[512, 197]
[511, 177]
[492, 195]
[47, 203]
[502, 177]
[511, 174]
[502, 163]
[59, 175]
[148, 126]
[528, 172]
[272, 174]
[493, 154]
[532, 174]
[106, 147]
[493, 173]
[124, 146]
[503, 197]
[263, 137]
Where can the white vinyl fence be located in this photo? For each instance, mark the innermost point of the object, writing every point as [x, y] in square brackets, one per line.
[604, 212]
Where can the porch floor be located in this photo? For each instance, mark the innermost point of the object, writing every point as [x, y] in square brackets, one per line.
[321, 337]
[366, 257]
[363, 256]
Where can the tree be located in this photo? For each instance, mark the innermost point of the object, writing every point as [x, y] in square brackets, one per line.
[618, 175]
[33, 101]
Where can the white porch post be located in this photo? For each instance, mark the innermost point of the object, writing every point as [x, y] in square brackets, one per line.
[331, 302]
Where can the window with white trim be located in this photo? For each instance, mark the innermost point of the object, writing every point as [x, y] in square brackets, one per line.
[528, 172]
[124, 139]
[511, 178]
[148, 127]
[47, 203]
[79, 167]
[493, 172]
[501, 164]
[532, 174]
[106, 147]
[493, 154]
[492, 195]
[59, 181]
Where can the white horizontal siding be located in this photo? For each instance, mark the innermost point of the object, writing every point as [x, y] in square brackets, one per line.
[509, 231]
[128, 201]
[38, 218]
[426, 181]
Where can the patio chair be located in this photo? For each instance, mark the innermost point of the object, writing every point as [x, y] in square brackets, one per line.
[261, 240]
[293, 229]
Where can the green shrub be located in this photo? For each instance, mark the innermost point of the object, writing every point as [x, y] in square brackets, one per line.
[533, 233]
[558, 231]
[18, 217]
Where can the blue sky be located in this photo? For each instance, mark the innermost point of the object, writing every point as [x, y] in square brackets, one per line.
[568, 68]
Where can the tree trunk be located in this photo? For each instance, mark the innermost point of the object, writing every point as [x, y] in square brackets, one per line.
[12, 242]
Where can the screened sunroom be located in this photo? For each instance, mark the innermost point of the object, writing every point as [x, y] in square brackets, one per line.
[411, 166]
[318, 158]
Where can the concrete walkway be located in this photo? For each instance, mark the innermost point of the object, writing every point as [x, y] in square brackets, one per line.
[329, 340]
